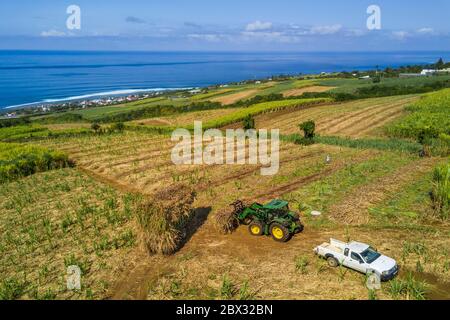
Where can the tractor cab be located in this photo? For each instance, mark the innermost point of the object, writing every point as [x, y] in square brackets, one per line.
[277, 205]
[278, 208]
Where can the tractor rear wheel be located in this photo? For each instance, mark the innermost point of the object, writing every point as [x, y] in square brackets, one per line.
[279, 232]
[256, 228]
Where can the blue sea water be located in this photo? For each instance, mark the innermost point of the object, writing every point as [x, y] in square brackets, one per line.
[37, 76]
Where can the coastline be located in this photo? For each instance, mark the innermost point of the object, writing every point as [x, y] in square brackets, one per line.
[91, 97]
[57, 82]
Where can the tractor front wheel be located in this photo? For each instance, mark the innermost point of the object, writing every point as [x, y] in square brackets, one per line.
[256, 228]
[299, 228]
[279, 232]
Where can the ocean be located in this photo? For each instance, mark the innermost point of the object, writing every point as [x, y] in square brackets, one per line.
[28, 77]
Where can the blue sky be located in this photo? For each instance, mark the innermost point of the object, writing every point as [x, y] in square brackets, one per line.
[232, 25]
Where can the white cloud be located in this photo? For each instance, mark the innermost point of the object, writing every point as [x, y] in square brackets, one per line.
[400, 35]
[326, 30]
[133, 19]
[270, 36]
[425, 31]
[355, 33]
[206, 37]
[262, 34]
[53, 33]
[258, 26]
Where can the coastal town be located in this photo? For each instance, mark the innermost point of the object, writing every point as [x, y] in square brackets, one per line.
[440, 68]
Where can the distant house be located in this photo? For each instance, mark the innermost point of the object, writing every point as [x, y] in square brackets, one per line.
[428, 72]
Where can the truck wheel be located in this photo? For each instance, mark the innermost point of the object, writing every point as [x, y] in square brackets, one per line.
[279, 232]
[332, 262]
[256, 228]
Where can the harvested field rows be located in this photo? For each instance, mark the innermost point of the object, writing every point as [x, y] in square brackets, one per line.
[186, 119]
[147, 166]
[235, 97]
[356, 119]
[300, 91]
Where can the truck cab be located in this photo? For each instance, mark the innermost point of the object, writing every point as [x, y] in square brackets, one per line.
[358, 256]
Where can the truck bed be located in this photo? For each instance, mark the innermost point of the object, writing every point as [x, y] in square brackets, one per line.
[331, 247]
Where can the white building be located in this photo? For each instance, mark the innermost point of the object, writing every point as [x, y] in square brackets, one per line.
[428, 72]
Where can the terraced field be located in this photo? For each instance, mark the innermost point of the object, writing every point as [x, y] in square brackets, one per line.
[355, 119]
[300, 91]
[143, 163]
[186, 118]
[235, 97]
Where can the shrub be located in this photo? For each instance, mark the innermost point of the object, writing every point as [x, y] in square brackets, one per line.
[118, 126]
[16, 133]
[12, 288]
[308, 128]
[301, 262]
[440, 194]
[408, 288]
[65, 117]
[249, 122]
[95, 126]
[36, 132]
[18, 161]
[428, 119]
[6, 123]
[227, 290]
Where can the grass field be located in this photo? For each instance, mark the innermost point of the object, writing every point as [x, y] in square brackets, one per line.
[94, 113]
[351, 85]
[372, 189]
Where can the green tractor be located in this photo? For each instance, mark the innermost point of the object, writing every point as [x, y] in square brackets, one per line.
[273, 219]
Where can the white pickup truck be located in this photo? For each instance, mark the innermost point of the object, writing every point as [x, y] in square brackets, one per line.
[358, 256]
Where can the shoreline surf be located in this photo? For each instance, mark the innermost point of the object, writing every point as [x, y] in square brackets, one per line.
[114, 93]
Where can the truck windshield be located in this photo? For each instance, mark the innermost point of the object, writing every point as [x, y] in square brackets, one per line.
[370, 255]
